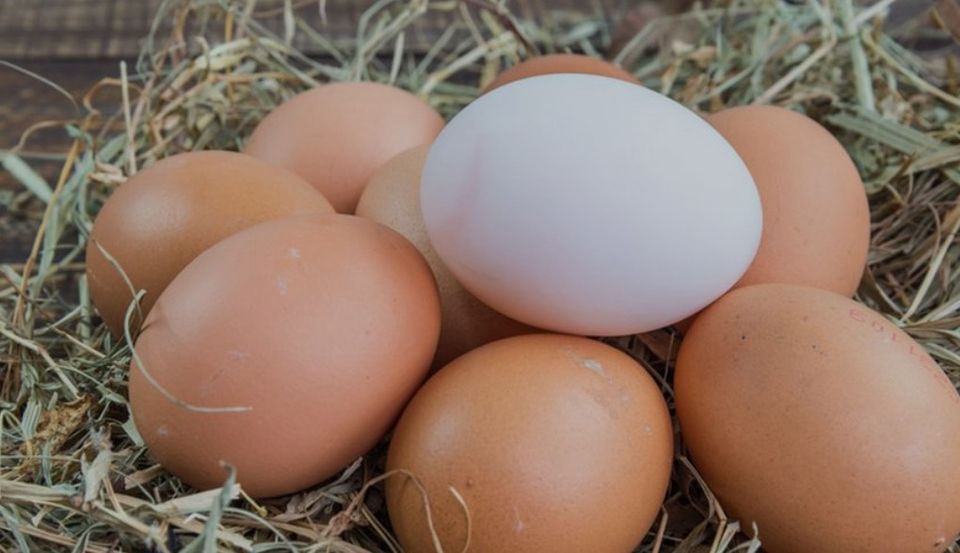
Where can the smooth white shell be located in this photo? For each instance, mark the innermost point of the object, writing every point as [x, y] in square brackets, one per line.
[588, 205]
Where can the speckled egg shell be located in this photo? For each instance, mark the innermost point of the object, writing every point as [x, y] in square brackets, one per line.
[818, 420]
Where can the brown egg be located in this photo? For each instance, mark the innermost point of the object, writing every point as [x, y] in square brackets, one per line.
[161, 218]
[816, 222]
[321, 327]
[554, 443]
[560, 63]
[815, 418]
[392, 198]
[336, 135]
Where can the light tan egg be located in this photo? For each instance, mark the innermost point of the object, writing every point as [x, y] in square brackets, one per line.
[392, 198]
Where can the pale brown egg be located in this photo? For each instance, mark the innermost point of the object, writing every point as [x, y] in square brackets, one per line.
[560, 63]
[554, 443]
[818, 420]
[318, 329]
[337, 135]
[161, 218]
[392, 198]
[816, 221]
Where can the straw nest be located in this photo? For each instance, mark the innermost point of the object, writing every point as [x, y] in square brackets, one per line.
[75, 475]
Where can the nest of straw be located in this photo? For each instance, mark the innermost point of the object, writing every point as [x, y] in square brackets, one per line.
[74, 475]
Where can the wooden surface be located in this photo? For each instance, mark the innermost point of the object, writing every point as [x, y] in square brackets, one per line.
[85, 29]
[24, 101]
[92, 29]
[71, 29]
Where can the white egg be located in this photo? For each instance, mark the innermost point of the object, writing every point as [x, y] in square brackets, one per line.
[589, 205]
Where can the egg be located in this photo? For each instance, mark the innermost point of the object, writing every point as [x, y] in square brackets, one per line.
[162, 217]
[288, 350]
[549, 197]
[815, 418]
[553, 443]
[336, 135]
[392, 198]
[560, 63]
[816, 229]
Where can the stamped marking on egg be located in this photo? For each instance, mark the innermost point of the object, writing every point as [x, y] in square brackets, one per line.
[880, 326]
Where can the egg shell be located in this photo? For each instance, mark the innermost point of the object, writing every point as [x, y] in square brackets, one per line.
[555, 443]
[322, 326]
[392, 198]
[548, 199]
[818, 420]
[816, 221]
[560, 63]
[162, 217]
[337, 135]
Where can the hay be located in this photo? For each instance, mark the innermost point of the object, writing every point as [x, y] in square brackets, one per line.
[75, 475]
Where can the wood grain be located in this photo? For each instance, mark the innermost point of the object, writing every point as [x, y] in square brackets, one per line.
[92, 29]
[87, 29]
[24, 101]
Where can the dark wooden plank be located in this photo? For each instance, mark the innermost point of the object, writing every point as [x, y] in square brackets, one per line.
[25, 101]
[60, 29]
[87, 29]
[84, 29]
